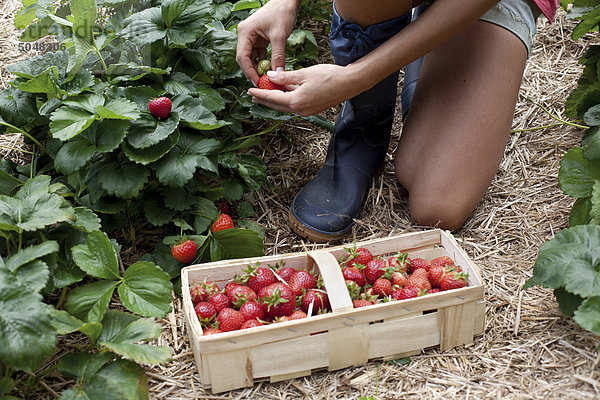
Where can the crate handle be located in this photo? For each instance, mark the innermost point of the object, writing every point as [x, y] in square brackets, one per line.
[330, 270]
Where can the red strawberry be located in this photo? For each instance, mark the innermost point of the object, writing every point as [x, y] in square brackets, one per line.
[230, 319]
[277, 300]
[319, 300]
[230, 286]
[265, 83]
[252, 310]
[205, 311]
[211, 331]
[435, 275]
[219, 300]
[251, 323]
[454, 280]
[416, 263]
[297, 314]
[354, 274]
[382, 287]
[398, 279]
[285, 273]
[361, 303]
[257, 277]
[240, 295]
[443, 261]
[302, 279]
[399, 262]
[374, 270]
[407, 292]
[358, 255]
[160, 107]
[434, 290]
[202, 291]
[419, 279]
[223, 222]
[184, 251]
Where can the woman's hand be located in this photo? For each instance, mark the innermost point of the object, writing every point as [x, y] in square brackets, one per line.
[310, 90]
[272, 23]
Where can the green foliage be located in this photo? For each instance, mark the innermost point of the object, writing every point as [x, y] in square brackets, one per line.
[103, 168]
[570, 262]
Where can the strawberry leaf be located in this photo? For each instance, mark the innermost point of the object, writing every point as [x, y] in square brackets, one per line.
[68, 122]
[97, 256]
[33, 208]
[146, 290]
[235, 243]
[156, 212]
[26, 333]
[588, 315]
[152, 153]
[570, 260]
[144, 27]
[99, 379]
[205, 212]
[65, 323]
[577, 174]
[185, 19]
[148, 130]
[122, 332]
[124, 180]
[90, 302]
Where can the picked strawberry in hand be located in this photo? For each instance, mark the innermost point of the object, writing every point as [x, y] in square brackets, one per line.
[265, 83]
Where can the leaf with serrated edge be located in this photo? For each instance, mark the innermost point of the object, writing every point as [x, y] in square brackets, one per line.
[90, 302]
[146, 290]
[97, 256]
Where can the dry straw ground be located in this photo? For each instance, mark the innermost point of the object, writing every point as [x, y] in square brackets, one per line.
[528, 351]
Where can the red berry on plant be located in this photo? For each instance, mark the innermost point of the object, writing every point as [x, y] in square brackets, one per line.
[184, 251]
[223, 222]
[160, 107]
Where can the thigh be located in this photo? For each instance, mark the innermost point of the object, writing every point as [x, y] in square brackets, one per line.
[454, 136]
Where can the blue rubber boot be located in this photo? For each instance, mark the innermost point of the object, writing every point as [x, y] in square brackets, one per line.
[326, 208]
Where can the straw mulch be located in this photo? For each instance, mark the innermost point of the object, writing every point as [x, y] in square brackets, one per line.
[528, 351]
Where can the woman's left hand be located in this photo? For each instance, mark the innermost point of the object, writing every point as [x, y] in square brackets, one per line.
[310, 90]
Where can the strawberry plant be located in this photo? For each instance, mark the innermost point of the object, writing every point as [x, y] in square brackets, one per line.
[570, 262]
[58, 273]
[93, 115]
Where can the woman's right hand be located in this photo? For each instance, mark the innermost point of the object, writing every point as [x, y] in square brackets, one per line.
[272, 23]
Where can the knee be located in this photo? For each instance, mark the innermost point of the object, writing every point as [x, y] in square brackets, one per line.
[445, 213]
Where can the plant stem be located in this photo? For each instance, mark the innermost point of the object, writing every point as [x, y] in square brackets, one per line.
[562, 122]
[15, 149]
[269, 129]
[34, 140]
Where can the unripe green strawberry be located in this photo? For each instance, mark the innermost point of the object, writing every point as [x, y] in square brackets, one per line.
[184, 251]
[263, 66]
[160, 107]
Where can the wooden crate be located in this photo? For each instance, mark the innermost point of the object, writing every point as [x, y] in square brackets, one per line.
[286, 350]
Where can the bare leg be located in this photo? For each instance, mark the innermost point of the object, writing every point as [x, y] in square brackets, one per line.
[458, 125]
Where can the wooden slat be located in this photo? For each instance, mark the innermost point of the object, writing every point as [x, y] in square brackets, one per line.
[479, 323]
[330, 270]
[229, 370]
[348, 346]
[403, 335]
[289, 356]
[456, 324]
[292, 375]
[325, 322]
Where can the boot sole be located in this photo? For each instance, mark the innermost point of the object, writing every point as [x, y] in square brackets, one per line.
[313, 236]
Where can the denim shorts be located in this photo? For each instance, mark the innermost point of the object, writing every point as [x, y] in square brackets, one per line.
[517, 16]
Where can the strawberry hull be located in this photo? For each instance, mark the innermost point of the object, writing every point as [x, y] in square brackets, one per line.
[297, 348]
